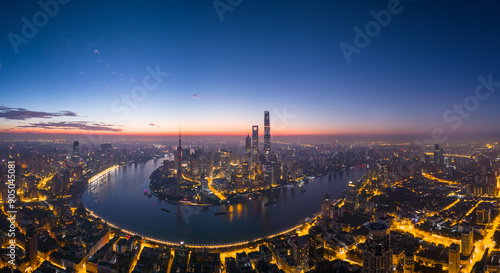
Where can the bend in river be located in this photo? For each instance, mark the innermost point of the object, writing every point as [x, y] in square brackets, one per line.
[119, 199]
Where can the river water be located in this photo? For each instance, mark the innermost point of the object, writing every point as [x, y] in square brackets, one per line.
[119, 199]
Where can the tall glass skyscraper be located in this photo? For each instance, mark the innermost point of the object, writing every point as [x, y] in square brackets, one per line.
[255, 144]
[267, 135]
[248, 148]
[76, 152]
[179, 159]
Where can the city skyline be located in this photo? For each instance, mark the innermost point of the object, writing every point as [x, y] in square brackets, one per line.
[249, 136]
[147, 76]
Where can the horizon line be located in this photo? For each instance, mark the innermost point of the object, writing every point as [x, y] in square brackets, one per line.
[482, 133]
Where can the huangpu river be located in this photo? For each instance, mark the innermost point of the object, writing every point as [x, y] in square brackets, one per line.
[118, 198]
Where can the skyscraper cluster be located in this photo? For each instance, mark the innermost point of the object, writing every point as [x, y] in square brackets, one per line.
[255, 140]
[263, 162]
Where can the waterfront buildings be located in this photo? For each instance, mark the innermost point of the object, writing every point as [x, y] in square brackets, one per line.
[300, 252]
[326, 211]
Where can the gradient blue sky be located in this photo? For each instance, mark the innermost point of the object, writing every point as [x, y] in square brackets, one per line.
[265, 55]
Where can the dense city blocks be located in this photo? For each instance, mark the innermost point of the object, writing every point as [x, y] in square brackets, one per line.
[408, 211]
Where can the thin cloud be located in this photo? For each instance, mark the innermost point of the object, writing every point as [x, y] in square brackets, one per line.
[152, 124]
[24, 114]
[82, 125]
[196, 96]
[96, 51]
[67, 113]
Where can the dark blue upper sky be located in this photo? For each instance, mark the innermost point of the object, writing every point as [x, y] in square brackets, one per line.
[75, 73]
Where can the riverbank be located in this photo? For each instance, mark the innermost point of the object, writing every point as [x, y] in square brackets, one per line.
[301, 227]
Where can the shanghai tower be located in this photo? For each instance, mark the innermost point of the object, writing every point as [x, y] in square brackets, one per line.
[267, 135]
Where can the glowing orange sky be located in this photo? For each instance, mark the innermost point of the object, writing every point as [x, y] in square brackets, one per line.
[188, 132]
